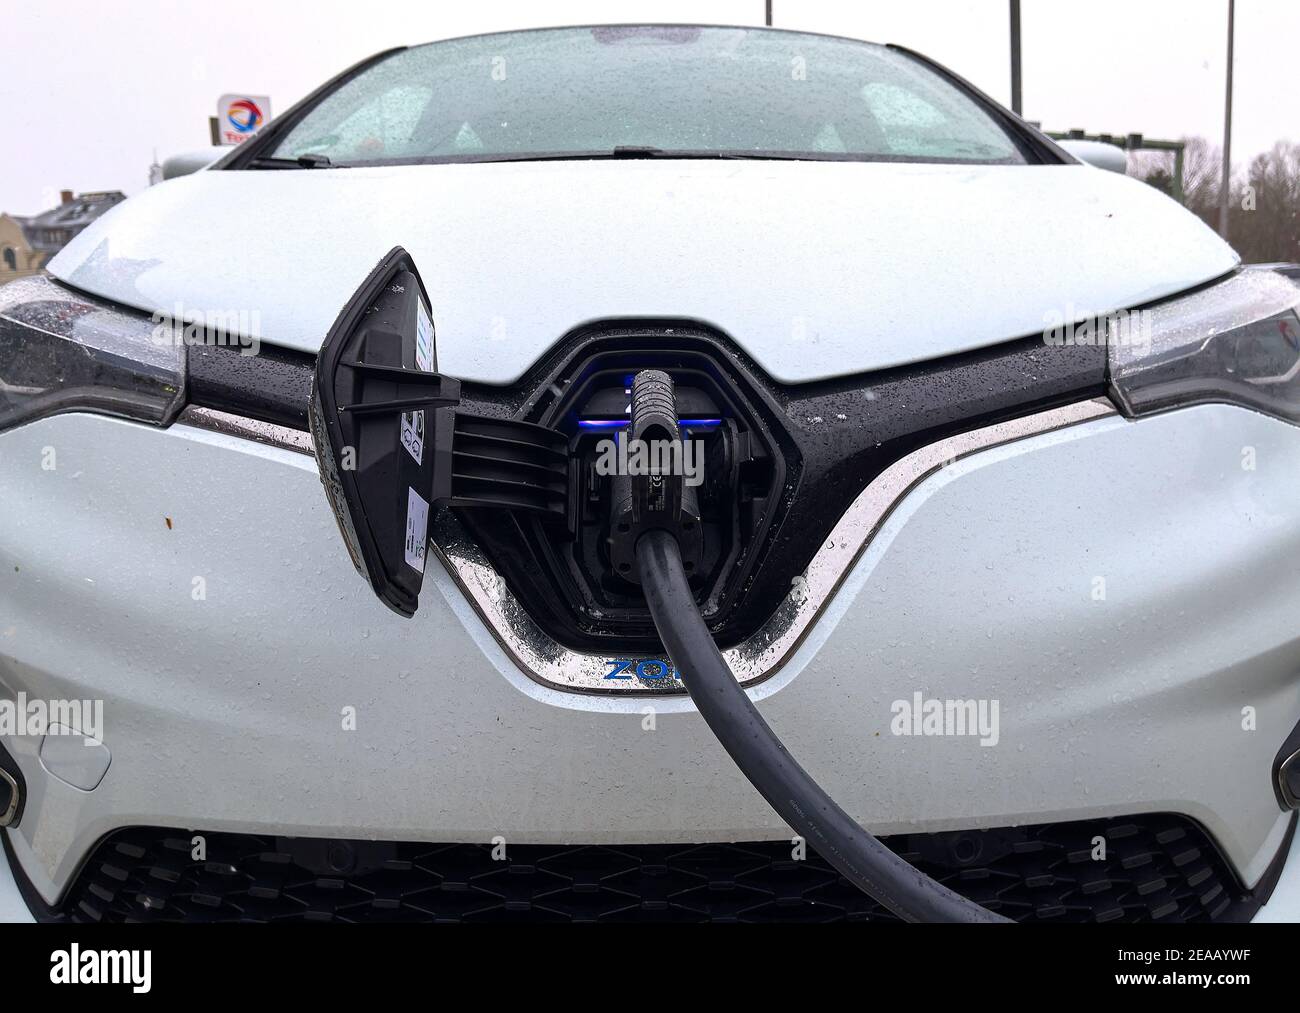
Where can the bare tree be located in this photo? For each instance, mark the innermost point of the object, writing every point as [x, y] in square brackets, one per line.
[1264, 219]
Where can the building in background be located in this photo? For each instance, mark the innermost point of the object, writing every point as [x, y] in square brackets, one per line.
[28, 243]
[17, 258]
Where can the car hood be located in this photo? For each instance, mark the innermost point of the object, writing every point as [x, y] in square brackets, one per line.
[815, 269]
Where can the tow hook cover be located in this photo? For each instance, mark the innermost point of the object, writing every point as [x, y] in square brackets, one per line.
[382, 421]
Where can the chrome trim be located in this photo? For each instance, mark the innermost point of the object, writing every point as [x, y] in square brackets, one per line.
[544, 660]
[246, 428]
[7, 817]
[549, 663]
[1283, 783]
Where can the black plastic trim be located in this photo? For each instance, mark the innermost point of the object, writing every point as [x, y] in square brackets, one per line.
[273, 386]
[321, 868]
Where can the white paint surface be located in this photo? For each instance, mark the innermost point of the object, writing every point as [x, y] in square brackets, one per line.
[815, 268]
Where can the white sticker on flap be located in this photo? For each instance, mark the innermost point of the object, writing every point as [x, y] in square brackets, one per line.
[417, 529]
[413, 434]
[423, 338]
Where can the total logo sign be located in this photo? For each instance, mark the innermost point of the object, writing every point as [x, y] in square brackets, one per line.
[239, 117]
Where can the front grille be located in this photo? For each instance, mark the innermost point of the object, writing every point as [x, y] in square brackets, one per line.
[799, 456]
[1161, 868]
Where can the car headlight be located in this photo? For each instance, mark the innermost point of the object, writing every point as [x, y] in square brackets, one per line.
[1236, 341]
[61, 351]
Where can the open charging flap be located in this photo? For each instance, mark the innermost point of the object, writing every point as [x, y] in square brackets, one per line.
[392, 445]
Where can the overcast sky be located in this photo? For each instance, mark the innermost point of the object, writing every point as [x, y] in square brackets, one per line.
[91, 88]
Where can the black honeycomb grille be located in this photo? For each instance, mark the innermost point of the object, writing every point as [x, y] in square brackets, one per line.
[1161, 868]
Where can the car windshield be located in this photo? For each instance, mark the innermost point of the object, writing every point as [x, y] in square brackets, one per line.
[634, 91]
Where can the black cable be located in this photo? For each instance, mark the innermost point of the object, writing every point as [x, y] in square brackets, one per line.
[762, 758]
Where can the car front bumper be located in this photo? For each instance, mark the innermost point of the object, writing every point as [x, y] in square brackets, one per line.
[1125, 591]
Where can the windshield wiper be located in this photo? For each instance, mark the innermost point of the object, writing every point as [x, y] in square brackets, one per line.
[632, 151]
[308, 161]
[647, 151]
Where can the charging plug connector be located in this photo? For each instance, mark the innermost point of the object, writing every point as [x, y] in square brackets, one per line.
[650, 492]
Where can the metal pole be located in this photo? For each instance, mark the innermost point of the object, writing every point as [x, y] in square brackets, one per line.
[1227, 132]
[1015, 57]
[768, 22]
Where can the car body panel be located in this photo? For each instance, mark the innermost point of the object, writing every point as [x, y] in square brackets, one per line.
[816, 269]
[12, 906]
[226, 711]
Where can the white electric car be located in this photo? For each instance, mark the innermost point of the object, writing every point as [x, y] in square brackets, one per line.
[1000, 524]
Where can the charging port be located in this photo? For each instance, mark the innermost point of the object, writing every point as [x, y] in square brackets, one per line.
[719, 473]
